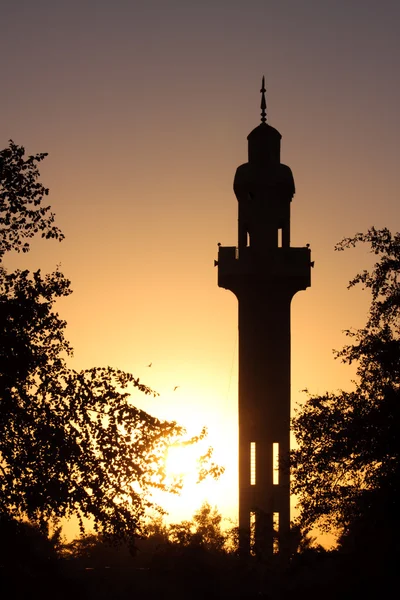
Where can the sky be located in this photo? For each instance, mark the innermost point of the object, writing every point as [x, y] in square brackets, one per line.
[144, 108]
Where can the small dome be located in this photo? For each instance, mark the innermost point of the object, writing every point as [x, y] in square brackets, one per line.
[264, 144]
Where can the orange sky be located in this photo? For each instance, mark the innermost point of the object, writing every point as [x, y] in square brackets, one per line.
[144, 108]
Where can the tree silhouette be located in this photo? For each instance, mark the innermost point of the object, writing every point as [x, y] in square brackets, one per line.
[71, 442]
[205, 530]
[21, 212]
[346, 470]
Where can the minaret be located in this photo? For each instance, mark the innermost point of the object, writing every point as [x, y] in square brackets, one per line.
[264, 272]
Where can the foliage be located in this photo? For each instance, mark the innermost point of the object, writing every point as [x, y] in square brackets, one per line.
[21, 212]
[71, 442]
[302, 542]
[200, 540]
[204, 530]
[347, 466]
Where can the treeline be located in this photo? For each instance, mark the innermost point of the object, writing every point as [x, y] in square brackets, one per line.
[192, 559]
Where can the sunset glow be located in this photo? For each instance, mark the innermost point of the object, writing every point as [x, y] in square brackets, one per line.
[144, 109]
[182, 461]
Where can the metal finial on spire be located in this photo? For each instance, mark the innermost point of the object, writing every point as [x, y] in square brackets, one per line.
[263, 102]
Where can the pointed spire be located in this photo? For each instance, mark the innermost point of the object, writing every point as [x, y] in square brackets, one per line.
[263, 102]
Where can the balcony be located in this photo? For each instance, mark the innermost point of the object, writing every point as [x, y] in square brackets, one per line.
[276, 264]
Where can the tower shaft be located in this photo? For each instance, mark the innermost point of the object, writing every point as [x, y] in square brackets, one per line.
[264, 418]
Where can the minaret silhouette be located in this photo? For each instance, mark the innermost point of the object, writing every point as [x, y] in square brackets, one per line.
[264, 273]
